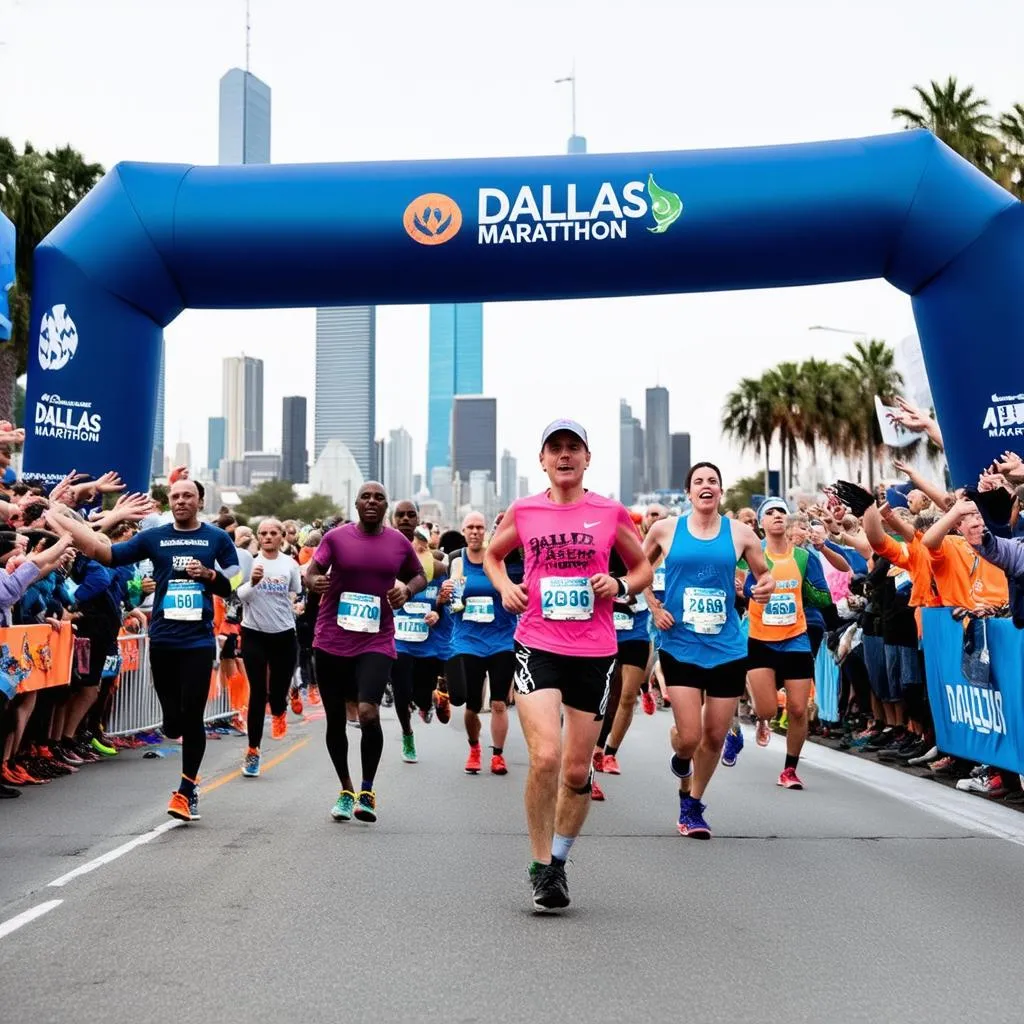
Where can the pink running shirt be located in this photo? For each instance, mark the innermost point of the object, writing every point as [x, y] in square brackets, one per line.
[563, 542]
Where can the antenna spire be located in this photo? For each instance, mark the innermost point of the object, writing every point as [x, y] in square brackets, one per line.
[248, 34]
[571, 78]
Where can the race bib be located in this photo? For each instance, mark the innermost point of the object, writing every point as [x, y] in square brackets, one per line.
[566, 598]
[183, 601]
[359, 613]
[780, 610]
[623, 621]
[479, 609]
[704, 610]
[902, 580]
[659, 580]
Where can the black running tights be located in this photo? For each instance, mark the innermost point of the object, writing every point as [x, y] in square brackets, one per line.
[181, 678]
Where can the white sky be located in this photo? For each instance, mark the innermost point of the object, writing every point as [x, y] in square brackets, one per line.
[138, 79]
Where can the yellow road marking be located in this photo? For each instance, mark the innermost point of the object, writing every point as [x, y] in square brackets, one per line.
[237, 773]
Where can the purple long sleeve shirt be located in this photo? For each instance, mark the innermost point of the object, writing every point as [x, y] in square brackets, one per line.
[13, 586]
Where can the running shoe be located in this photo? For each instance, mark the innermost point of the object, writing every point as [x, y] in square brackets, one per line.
[251, 765]
[366, 806]
[691, 818]
[473, 761]
[427, 714]
[550, 888]
[498, 766]
[598, 760]
[178, 807]
[314, 693]
[238, 723]
[34, 775]
[101, 748]
[647, 702]
[943, 766]
[388, 700]
[6, 793]
[443, 706]
[764, 732]
[611, 765]
[86, 753]
[296, 702]
[732, 748]
[193, 805]
[789, 779]
[990, 784]
[278, 726]
[596, 792]
[409, 748]
[922, 761]
[66, 757]
[342, 809]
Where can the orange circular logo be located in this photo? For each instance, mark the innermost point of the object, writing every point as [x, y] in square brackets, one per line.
[432, 219]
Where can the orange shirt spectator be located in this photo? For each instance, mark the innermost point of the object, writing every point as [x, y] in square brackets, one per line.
[964, 579]
[916, 559]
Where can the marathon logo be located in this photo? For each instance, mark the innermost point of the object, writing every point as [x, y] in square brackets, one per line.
[1005, 416]
[182, 542]
[980, 709]
[66, 420]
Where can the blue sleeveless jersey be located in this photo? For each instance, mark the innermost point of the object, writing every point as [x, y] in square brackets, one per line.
[409, 622]
[489, 629]
[700, 592]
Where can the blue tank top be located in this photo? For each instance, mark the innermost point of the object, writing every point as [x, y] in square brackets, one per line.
[412, 634]
[700, 592]
[483, 627]
[631, 621]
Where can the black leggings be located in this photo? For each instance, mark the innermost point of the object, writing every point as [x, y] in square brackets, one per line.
[269, 660]
[413, 681]
[467, 673]
[181, 679]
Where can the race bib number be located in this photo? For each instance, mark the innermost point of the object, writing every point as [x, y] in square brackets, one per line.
[623, 621]
[479, 609]
[359, 613]
[183, 601]
[111, 666]
[780, 610]
[903, 580]
[566, 598]
[659, 580]
[704, 610]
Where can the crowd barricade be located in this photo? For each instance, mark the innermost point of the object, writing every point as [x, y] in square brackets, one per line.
[35, 657]
[135, 707]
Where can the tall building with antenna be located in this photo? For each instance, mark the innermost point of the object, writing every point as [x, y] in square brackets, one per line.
[577, 143]
[244, 128]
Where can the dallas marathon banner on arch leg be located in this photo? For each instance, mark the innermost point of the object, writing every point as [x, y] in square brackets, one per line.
[979, 720]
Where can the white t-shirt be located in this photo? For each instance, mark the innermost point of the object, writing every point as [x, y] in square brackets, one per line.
[267, 606]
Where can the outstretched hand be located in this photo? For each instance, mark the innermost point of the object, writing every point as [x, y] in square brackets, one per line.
[854, 496]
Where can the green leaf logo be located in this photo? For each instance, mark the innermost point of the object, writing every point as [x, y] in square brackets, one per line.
[665, 206]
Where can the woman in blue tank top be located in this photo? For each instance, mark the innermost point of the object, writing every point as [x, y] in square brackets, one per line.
[703, 649]
[482, 646]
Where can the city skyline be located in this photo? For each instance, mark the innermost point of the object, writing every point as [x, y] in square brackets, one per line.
[242, 405]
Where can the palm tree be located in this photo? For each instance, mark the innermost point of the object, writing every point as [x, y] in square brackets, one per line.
[958, 117]
[747, 418]
[826, 402]
[783, 387]
[870, 370]
[1011, 131]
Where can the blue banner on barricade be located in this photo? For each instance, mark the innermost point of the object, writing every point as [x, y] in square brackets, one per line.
[983, 723]
[826, 685]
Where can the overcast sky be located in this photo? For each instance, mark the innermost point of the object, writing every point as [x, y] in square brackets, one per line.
[138, 80]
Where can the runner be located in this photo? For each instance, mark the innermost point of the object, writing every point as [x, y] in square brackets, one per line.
[703, 648]
[422, 636]
[779, 649]
[565, 641]
[354, 642]
[192, 561]
[483, 646]
[268, 638]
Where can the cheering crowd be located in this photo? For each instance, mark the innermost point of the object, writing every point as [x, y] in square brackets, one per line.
[710, 616]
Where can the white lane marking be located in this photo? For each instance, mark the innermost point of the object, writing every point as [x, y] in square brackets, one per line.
[29, 915]
[120, 851]
[964, 809]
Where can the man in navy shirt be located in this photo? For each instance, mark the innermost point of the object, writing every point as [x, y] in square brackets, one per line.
[192, 562]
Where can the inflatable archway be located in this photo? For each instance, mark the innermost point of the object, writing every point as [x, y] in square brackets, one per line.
[151, 240]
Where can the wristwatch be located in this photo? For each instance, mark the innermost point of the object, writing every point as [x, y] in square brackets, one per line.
[623, 586]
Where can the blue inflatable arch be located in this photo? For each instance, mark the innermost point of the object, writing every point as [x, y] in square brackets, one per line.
[154, 239]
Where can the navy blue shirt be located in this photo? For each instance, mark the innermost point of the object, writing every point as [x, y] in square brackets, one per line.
[182, 606]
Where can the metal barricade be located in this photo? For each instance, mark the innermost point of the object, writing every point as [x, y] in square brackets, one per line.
[135, 707]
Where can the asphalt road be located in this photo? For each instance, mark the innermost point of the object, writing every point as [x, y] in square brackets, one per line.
[845, 901]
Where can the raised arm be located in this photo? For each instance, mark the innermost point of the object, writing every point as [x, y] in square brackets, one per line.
[92, 544]
[939, 495]
[950, 521]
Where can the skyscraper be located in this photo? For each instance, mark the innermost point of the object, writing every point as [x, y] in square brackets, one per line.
[183, 454]
[631, 454]
[380, 459]
[509, 468]
[244, 119]
[456, 368]
[659, 456]
[398, 466]
[157, 465]
[346, 366]
[680, 461]
[294, 456]
[243, 405]
[474, 435]
[216, 432]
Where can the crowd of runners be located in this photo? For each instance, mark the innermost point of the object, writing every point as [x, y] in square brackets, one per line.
[569, 606]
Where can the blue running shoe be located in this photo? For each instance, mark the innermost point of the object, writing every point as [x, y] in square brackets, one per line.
[691, 819]
[251, 764]
[732, 748]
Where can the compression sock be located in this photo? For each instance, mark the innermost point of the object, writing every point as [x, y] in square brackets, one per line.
[367, 785]
[610, 751]
[498, 750]
[560, 847]
[792, 760]
[188, 786]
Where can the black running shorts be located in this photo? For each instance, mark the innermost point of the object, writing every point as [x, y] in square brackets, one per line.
[634, 652]
[728, 680]
[785, 664]
[361, 678]
[583, 681]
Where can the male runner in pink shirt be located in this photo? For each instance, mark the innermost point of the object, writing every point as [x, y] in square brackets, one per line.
[565, 642]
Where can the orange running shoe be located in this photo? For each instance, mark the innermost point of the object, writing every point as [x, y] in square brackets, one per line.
[443, 706]
[278, 726]
[473, 761]
[611, 765]
[313, 693]
[647, 703]
[178, 807]
[498, 766]
[30, 778]
[296, 703]
[12, 775]
[596, 792]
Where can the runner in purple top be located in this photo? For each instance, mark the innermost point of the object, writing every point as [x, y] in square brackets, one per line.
[354, 641]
